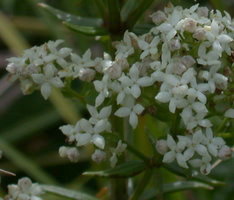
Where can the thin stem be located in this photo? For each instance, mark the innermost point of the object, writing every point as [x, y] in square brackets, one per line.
[75, 94]
[137, 153]
[221, 126]
[141, 186]
[114, 16]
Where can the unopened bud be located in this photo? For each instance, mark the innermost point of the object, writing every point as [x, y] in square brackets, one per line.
[202, 11]
[24, 184]
[199, 34]
[189, 25]
[98, 156]
[86, 74]
[158, 17]
[188, 61]
[225, 152]
[174, 45]
[161, 146]
[73, 154]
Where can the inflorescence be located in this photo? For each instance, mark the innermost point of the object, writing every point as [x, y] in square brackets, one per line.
[182, 61]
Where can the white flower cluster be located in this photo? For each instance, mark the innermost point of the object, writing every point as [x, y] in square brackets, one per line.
[86, 132]
[39, 67]
[197, 150]
[24, 190]
[180, 61]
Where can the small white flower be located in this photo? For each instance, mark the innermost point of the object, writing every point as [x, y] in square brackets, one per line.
[229, 113]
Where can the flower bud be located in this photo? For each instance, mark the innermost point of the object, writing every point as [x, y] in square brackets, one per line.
[114, 71]
[188, 61]
[174, 45]
[86, 74]
[199, 34]
[225, 152]
[189, 25]
[24, 184]
[63, 151]
[202, 11]
[98, 156]
[12, 68]
[161, 146]
[158, 17]
[73, 154]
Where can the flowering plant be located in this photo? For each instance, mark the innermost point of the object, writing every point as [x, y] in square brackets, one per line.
[179, 73]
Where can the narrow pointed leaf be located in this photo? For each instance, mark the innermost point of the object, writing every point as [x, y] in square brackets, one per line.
[195, 175]
[174, 187]
[128, 169]
[73, 19]
[87, 30]
[67, 193]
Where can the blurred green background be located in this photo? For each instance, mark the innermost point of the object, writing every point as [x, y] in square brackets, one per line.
[29, 134]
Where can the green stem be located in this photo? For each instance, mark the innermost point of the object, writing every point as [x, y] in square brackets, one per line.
[221, 126]
[114, 16]
[141, 186]
[137, 153]
[75, 94]
[27, 165]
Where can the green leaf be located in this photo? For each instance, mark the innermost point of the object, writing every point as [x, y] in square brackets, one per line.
[140, 29]
[87, 30]
[24, 163]
[29, 126]
[84, 25]
[128, 169]
[128, 6]
[135, 14]
[194, 175]
[72, 19]
[174, 187]
[67, 193]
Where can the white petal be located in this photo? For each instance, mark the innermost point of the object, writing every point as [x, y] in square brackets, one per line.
[213, 150]
[99, 99]
[123, 112]
[45, 90]
[201, 150]
[172, 105]
[195, 163]
[188, 154]
[133, 120]
[99, 141]
[38, 78]
[229, 113]
[100, 126]
[163, 97]
[145, 81]
[138, 109]
[169, 157]
[171, 142]
[105, 112]
[181, 160]
[135, 91]
[83, 139]
[92, 111]
[57, 82]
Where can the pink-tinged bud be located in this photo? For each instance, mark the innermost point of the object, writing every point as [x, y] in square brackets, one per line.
[189, 25]
[158, 17]
[174, 45]
[161, 146]
[87, 74]
[225, 152]
[199, 34]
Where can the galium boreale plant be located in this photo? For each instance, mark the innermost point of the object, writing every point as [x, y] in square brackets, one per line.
[179, 72]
